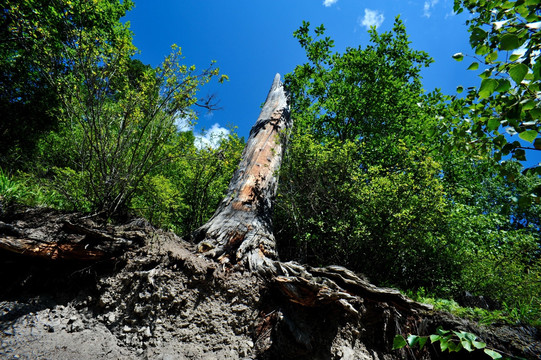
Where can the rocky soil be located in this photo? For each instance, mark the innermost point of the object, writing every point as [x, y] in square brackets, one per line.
[158, 299]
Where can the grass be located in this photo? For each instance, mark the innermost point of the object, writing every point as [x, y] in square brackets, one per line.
[23, 190]
[522, 313]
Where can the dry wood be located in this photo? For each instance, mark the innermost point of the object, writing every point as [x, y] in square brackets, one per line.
[241, 227]
[52, 251]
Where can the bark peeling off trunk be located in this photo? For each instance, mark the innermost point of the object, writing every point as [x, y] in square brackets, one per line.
[241, 227]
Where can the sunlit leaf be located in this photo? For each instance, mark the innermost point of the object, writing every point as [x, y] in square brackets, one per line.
[488, 86]
[412, 340]
[493, 354]
[534, 26]
[444, 345]
[528, 135]
[458, 56]
[518, 72]
[473, 66]
[479, 344]
[493, 124]
[491, 57]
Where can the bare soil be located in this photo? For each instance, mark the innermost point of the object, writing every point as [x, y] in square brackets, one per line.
[157, 298]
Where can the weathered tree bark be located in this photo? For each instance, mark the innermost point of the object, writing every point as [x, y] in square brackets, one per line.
[66, 237]
[241, 227]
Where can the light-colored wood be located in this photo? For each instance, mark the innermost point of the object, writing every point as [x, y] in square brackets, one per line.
[241, 227]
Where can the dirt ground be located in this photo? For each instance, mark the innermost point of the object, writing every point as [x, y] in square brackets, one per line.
[159, 299]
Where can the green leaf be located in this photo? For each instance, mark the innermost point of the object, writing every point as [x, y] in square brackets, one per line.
[518, 72]
[451, 346]
[478, 344]
[503, 85]
[458, 56]
[434, 338]
[493, 354]
[459, 89]
[442, 331]
[412, 340]
[520, 154]
[488, 86]
[466, 344]
[528, 135]
[469, 336]
[509, 42]
[399, 342]
[493, 124]
[485, 74]
[528, 104]
[537, 143]
[482, 50]
[422, 341]
[491, 57]
[514, 57]
[535, 113]
[444, 345]
[473, 66]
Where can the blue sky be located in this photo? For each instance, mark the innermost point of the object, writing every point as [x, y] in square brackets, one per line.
[253, 40]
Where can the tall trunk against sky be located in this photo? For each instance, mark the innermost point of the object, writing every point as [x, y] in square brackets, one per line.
[241, 228]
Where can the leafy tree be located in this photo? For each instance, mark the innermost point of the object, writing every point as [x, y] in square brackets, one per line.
[28, 102]
[382, 178]
[507, 42]
[359, 181]
[117, 114]
[185, 192]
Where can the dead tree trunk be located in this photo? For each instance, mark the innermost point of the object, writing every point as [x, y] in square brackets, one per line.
[241, 227]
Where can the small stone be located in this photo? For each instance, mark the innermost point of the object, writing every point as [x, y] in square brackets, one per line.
[49, 328]
[250, 343]
[111, 317]
[146, 332]
[127, 329]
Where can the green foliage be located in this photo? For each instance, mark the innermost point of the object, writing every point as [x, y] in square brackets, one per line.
[11, 191]
[358, 181]
[28, 103]
[184, 194]
[379, 170]
[117, 115]
[22, 190]
[506, 39]
[451, 341]
[511, 315]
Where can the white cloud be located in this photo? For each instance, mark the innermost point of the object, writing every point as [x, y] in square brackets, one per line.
[208, 138]
[183, 124]
[212, 137]
[429, 5]
[372, 18]
[328, 3]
